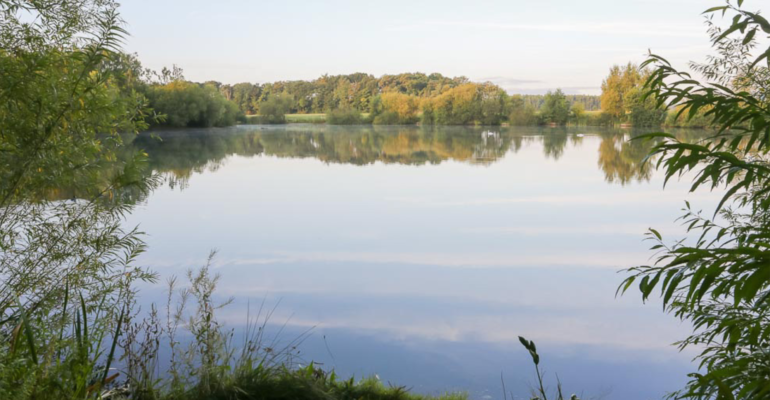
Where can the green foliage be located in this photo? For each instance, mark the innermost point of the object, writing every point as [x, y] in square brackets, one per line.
[330, 92]
[577, 113]
[720, 281]
[682, 120]
[521, 113]
[457, 106]
[589, 102]
[555, 108]
[644, 110]
[344, 116]
[273, 110]
[188, 104]
[493, 105]
[67, 266]
[210, 365]
[468, 104]
[363, 92]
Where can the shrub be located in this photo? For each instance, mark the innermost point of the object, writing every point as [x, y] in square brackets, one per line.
[188, 104]
[344, 116]
[274, 109]
[683, 120]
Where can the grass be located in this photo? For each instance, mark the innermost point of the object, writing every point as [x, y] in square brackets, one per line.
[308, 383]
[298, 118]
[293, 119]
[81, 360]
[306, 118]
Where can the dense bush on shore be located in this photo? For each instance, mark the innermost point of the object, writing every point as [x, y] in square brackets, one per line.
[188, 104]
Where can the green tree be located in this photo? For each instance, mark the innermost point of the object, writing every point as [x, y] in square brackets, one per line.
[555, 109]
[274, 109]
[720, 281]
[188, 104]
[521, 113]
[493, 105]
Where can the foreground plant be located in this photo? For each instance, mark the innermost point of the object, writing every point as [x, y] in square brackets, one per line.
[66, 265]
[720, 279]
[208, 361]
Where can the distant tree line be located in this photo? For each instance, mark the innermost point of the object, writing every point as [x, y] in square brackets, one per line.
[589, 102]
[391, 99]
[403, 99]
[331, 92]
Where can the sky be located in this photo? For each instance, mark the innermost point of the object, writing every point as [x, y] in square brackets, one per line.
[523, 46]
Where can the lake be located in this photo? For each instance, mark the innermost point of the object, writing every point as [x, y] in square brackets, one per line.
[420, 255]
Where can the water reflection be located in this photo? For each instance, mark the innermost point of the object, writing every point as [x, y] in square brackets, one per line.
[180, 154]
[420, 254]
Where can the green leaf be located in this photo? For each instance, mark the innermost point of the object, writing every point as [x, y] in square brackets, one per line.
[85, 319]
[714, 9]
[749, 36]
[656, 233]
[28, 333]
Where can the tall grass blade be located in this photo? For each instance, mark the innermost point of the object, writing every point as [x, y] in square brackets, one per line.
[85, 319]
[28, 333]
[64, 313]
[114, 344]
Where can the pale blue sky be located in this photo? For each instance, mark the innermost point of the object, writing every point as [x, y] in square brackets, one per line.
[525, 46]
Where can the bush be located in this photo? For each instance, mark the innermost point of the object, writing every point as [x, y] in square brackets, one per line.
[599, 118]
[344, 116]
[644, 112]
[274, 109]
[555, 109]
[388, 118]
[698, 120]
[188, 104]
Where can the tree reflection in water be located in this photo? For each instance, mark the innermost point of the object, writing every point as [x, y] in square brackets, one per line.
[178, 155]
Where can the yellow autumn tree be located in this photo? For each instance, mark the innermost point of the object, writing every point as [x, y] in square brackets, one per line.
[616, 86]
[395, 108]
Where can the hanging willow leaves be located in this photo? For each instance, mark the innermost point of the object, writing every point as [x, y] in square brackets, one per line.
[719, 278]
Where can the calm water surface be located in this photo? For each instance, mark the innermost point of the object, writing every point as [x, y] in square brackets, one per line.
[420, 255]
